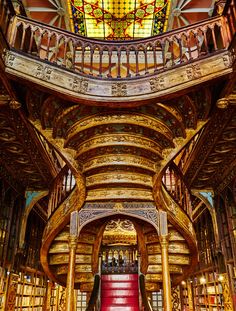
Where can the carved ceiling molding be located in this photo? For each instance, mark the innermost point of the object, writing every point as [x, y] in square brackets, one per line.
[143, 89]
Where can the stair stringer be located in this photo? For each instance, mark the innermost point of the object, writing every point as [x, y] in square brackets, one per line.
[58, 220]
[180, 220]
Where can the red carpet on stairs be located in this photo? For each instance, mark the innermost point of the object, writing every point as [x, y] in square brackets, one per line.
[119, 292]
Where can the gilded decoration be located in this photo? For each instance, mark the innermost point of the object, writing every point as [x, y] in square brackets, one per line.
[120, 139]
[119, 177]
[144, 210]
[119, 117]
[116, 193]
[117, 160]
[61, 81]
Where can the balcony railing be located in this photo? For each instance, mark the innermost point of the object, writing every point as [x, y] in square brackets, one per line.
[175, 185]
[115, 60]
[62, 186]
[6, 13]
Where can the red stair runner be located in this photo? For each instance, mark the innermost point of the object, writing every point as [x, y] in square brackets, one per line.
[119, 292]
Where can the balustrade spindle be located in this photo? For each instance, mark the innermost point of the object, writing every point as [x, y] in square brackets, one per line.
[154, 57]
[214, 39]
[31, 41]
[197, 43]
[48, 35]
[100, 62]
[172, 57]
[82, 58]
[119, 63]
[180, 50]
[22, 39]
[64, 53]
[109, 63]
[74, 47]
[145, 51]
[91, 60]
[127, 62]
[189, 46]
[163, 44]
[205, 40]
[137, 62]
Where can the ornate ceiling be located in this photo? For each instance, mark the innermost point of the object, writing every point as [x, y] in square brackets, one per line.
[119, 19]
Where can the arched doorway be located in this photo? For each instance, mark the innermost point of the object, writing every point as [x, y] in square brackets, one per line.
[119, 247]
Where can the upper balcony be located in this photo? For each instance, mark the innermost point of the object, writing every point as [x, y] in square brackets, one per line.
[133, 71]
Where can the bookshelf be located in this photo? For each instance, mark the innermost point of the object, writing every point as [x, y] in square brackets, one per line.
[31, 291]
[206, 291]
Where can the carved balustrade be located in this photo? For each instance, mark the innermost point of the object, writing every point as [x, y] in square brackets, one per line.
[50, 151]
[187, 153]
[119, 59]
[6, 13]
[175, 185]
[230, 13]
[62, 186]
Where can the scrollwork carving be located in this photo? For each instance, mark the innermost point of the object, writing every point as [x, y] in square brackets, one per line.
[119, 89]
[193, 72]
[79, 85]
[157, 84]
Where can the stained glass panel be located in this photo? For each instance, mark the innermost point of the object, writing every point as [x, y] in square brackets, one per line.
[119, 19]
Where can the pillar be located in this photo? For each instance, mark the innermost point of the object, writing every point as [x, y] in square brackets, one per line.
[190, 295]
[73, 238]
[164, 242]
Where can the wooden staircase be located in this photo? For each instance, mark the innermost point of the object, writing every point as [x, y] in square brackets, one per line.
[86, 256]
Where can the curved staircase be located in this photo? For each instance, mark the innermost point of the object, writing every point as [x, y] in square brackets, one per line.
[117, 135]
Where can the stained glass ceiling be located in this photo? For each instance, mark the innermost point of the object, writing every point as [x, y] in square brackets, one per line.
[119, 19]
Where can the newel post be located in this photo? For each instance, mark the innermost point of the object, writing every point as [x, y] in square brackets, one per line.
[164, 242]
[73, 238]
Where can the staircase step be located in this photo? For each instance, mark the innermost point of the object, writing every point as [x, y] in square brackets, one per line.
[107, 301]
[120, 277]
[119, 308]
[119, 292]
[119, 285]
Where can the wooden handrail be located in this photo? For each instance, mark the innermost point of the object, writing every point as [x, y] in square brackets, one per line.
[120, 59]
[61, 187]
[174, 184]
[145, 302]
[95, 294]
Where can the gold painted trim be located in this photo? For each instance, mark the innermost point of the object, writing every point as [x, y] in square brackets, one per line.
[119, 193]
[122, 160]
[119, 177]
[121, 118]
[119, 140]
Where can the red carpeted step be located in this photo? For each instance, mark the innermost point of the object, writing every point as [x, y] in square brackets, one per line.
[121, 308]
[119, 292]
[120, 300]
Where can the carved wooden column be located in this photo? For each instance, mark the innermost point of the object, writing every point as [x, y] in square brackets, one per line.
[73, 238]
[164, 241]
[48, 296]
[190, 295]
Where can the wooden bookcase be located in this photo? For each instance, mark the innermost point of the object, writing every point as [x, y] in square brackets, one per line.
[31, 291]
[207, 292]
